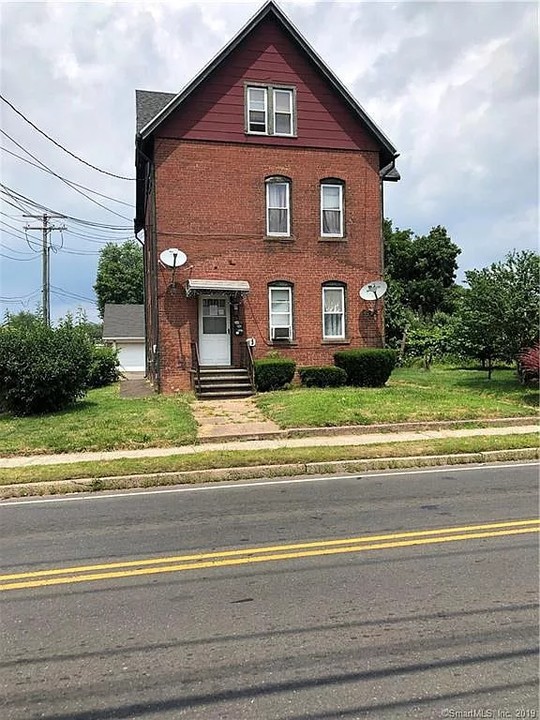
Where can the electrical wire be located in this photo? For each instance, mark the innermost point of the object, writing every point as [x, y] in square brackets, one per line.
[66, 182]
[94, 167]
[8, 257]
[60, 291]
[87, 223]
[45, 168]
[20, 298]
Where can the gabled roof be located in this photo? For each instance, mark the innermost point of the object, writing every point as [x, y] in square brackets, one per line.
[124, 322]
[268, 9]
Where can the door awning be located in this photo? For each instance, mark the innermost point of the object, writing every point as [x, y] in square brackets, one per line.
[226, 287]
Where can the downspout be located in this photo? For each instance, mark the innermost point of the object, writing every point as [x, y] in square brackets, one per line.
[153, 269]
[383, 175]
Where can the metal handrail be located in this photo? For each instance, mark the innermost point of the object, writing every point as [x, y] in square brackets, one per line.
[250, 366]
[196, 363]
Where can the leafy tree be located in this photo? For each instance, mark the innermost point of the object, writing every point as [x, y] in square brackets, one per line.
[422, 266]
[499, 314]
[23, 319]
[120, 275]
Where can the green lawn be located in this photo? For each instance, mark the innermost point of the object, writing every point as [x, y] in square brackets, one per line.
[411, 394]
[102, 421]
[249, 458]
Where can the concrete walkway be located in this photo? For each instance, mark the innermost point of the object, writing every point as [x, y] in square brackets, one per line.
[226, 418]
[335, 440]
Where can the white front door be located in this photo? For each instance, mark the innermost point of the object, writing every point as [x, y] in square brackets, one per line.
[214, 330]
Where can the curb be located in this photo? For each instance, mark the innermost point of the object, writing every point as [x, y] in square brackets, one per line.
[372, 429]
[125, 482]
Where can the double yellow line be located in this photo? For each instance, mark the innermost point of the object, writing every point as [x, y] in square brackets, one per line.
[227, 558]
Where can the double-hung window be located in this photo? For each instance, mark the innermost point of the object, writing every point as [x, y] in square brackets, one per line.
[280, 311]
[283, 111]
[331, 209]
[278, 207]
[333, 312]
[257, 110]
[270, 110]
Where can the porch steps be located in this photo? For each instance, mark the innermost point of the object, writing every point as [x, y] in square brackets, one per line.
[226, 382]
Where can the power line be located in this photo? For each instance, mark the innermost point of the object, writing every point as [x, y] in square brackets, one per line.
[14, 195]
[62, 179]
[8, 257]
[19, 252]
[20, 298]
[94, 167]
[47, 169]
[66, 293]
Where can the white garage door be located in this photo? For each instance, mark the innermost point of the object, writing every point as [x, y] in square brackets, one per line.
[131, 356]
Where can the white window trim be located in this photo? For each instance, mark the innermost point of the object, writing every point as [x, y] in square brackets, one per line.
[343, 334]
[266, 124]
[269, 89]
[288, 185]
[340, 186]
[271, 288]
[276, 112]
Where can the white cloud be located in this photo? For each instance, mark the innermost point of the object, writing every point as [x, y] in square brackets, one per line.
[454, 85]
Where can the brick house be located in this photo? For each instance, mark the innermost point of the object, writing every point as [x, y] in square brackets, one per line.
[267, 174]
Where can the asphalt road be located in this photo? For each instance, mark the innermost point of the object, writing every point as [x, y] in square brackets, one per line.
[387, 596]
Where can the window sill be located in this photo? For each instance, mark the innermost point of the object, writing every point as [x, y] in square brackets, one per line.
[343, 341]
[332, 239]
[283, 343]
[253, 133]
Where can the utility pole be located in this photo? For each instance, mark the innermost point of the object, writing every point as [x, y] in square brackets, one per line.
[45, 257]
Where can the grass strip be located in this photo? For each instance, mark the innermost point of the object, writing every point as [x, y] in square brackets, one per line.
[249, 458]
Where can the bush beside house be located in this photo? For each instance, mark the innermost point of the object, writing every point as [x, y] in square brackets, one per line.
[273, 373]
[43, 369]
[322, 376]
[368, 367]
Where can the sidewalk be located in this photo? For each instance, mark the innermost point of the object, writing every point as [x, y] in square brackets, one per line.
[330, 438]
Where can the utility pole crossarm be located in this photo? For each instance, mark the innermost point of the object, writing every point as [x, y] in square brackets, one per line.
[46, 249]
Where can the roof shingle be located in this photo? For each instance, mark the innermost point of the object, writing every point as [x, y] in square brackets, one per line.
[148, 104]
[123, 321]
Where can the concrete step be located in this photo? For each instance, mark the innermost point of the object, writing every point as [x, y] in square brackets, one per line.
[215, 395]
[223, 382]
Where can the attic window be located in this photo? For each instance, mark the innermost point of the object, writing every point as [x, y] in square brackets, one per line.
[270, 110]
[257, 101]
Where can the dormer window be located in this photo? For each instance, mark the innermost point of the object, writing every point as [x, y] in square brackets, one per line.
[270, 110]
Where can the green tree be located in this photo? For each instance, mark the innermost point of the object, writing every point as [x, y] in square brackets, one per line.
[23, 319]
[420, 271]
[499, 314]
[120, 275]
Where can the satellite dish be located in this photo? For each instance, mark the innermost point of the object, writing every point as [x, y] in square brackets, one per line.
[373, 290]
[173, 258]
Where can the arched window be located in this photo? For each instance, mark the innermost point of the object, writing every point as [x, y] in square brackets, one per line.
[280, 310]
[278, 206]
[333, 310]
[332, 207]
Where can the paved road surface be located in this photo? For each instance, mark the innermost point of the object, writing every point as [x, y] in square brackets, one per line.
[370, 603]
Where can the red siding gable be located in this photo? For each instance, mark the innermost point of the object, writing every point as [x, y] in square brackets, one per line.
[215, 110]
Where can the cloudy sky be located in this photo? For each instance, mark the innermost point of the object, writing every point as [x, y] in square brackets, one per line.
[454, 85]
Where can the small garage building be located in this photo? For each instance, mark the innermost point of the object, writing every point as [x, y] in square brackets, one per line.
[123, 328]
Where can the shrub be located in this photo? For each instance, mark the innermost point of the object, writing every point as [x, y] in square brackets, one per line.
[322, 376]
[273, 373]
[104, 369]
[529, 364]
[42, 369]
[369, 367]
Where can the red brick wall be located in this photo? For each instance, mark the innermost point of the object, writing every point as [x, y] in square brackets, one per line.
[210, 200]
